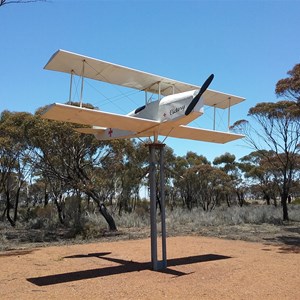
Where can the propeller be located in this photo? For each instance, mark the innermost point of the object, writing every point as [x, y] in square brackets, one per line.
[202, 90]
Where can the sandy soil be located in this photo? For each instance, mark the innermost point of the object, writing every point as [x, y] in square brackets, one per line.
[198, 268]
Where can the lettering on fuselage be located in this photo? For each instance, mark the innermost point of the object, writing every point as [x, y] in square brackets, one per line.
[176, 110]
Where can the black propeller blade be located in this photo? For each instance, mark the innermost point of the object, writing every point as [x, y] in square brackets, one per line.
[202, 90]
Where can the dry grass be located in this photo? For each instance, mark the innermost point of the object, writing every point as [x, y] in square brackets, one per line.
[250, 223]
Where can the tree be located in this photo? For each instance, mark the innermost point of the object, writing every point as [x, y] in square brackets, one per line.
[15, 155]
[290, 87]
[198, 183]
[278, 130]
[185, 178]
[228, 164]
[71, 160]
[262, 175]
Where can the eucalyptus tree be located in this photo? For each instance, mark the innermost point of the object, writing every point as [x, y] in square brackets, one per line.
[228, 164]
[261, 175]
[72, 160]
[204, 185]
[276, 128]
[185, 177]
[127, 165]
[198, 183]
[15, 154]
[38, 192]
[290, 87]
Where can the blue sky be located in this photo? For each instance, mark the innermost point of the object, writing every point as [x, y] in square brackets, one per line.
[248, 45]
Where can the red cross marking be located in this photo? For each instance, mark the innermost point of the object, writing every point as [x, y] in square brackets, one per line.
[110, 132]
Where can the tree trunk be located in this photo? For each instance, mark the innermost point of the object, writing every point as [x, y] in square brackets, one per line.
[8, 206]
[267, 198]
[16, 205]
[109, 219]
[228, 200]
[60, 211]
[102, 209]
[241, 200]
[284, 207]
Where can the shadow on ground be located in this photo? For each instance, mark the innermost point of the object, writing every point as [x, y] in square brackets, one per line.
[18, 252]
[290, 243]
[123, 267]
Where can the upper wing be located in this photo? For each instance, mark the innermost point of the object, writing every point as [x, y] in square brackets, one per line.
[200, 134]
[68, 62]
[78, 115]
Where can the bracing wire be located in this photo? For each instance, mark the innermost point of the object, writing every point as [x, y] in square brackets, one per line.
[115, 87]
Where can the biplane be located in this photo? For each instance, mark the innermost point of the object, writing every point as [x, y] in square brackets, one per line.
[177, 103]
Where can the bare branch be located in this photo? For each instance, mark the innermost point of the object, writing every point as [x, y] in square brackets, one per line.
[4, 2]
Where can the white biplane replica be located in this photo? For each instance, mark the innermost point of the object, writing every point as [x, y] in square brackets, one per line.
[168, 116]
[177, 105]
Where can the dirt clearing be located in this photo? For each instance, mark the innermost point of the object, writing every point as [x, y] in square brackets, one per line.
[199, 268]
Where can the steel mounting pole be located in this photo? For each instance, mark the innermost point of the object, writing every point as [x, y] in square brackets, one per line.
[157, 264]
[152, 184]
[162, 207]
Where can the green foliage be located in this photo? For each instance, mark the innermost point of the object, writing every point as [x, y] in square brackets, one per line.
[276, 129]
[288, 110]
[290, 86]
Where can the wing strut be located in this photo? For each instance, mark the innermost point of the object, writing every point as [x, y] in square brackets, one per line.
[228, 117]
[229, 103]
[214, 126]
[82, 82]
[71, 85]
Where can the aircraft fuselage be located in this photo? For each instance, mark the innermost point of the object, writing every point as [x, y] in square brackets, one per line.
[170, 108]
[169, 111]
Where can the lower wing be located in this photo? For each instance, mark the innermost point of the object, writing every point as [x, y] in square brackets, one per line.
[93, 117]
[200, 134]
[114, 126]
[184, 132]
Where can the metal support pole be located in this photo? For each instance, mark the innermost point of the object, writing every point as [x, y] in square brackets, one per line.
[157, 265]
[152, 183]
[162, 206]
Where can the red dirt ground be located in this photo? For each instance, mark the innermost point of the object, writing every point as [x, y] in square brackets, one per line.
[199, 268]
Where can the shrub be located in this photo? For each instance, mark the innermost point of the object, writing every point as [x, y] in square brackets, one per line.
[252, 214]
[296, 201]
